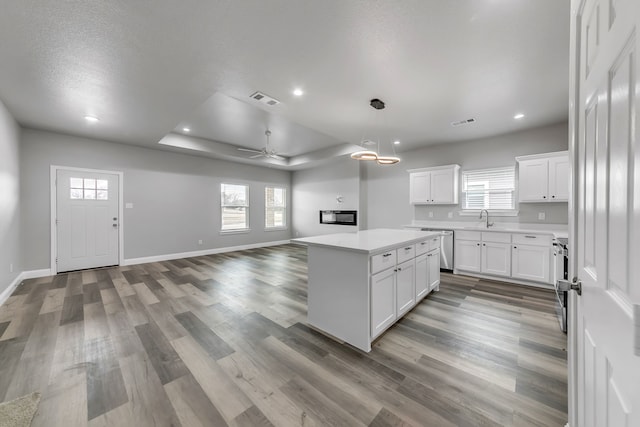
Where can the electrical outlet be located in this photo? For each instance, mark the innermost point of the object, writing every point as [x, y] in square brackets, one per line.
[541, 216]
[297, 234]
[199, 242]
[450, 215]
[430, 214]
[11, 268]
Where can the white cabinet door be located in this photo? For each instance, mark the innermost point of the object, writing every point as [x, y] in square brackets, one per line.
[559, 179]
[533, 178]
[422, 276]
[405, 287]
[442, 187]
[496, 258]
[467, 255]
[531, 263]
[434, 269]
[420, 187]
[383, 301]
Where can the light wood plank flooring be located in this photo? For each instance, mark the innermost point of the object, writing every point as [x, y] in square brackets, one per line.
[222, 340]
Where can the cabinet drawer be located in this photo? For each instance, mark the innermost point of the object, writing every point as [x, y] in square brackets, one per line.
[468, 235]
[422, 247]
[383, 261]
[533, 239]
[496, 237]
[406, 253]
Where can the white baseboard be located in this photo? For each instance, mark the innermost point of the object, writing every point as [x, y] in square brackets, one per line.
[31, 274]
[12, 287]
[504, 279]
[34, 274]
[167, 257]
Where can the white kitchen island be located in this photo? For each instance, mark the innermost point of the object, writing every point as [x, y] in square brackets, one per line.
[362, 283]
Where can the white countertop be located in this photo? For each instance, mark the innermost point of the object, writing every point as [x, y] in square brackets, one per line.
[368, 241]
[556, 230]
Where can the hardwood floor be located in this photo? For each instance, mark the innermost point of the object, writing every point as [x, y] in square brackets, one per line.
[222, 340]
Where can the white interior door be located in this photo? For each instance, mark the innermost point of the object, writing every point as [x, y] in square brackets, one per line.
[87, 220]
[606, 88]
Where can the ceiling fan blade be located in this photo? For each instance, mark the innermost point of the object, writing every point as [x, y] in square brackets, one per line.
[256, 156]
[249, 150]
[275, 156]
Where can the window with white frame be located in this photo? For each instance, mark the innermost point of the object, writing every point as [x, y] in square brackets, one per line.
[275, 207]
[234, 206]
[489, 189]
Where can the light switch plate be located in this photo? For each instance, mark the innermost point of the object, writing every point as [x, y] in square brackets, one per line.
[128, 205]
[450, 215]
[541, 216]
[430, 214]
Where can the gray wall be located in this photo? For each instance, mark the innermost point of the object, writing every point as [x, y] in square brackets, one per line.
[388, 187]
[9, 199]
[176, 197]
[316, 189]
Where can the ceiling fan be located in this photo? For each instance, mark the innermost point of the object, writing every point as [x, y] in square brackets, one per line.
[265, 152]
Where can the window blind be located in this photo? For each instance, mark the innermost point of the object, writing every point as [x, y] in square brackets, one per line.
[489, 188]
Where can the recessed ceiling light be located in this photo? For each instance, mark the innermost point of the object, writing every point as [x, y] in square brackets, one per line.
[186, 130]
[298, 92]
[396, 142]
[91, 119]
[518, 116]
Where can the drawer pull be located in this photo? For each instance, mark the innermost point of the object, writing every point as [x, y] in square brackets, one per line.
[423, 243]
[530, 237]
[386, 255]
[409, 248]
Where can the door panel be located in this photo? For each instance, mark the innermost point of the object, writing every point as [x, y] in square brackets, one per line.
[87, 210]
[605, 376]
[442, 186]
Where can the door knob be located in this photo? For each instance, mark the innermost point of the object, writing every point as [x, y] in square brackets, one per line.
[574, 285]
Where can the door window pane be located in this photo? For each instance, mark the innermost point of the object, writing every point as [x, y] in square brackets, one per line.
[86, 189]
[275, 203]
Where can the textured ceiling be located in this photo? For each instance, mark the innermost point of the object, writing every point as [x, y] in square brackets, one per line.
[149, 68]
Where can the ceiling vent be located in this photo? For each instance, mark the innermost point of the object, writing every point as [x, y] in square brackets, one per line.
[463, 122]
[265, 99]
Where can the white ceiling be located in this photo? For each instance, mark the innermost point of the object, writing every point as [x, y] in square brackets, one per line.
[147, 69]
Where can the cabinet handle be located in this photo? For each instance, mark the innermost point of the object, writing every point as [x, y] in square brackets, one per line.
[484, 244]
[477, 244]
[544, 197]
[409, 248]
[423, 243]
[386, 255]
[515, 247]
[399, 269]
[530, 237]
[553, 197]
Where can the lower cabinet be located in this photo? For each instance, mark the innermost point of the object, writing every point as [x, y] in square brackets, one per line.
[405, 283]
[422, 276]
[496, 258]
[434, 269]
[383, 300]
[531, 262]
[467, 255]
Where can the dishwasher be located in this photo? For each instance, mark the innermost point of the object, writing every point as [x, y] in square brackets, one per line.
[446, 247]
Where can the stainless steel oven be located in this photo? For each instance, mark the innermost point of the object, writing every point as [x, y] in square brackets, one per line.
[561, 255]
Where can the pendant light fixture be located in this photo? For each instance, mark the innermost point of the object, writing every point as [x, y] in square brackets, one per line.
[373, 155]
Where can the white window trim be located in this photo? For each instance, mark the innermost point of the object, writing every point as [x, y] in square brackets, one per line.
[286, 208]
[494, 212]
[247, 229]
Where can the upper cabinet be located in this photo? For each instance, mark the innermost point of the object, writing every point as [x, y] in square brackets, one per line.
[543, 177]
[437, 185]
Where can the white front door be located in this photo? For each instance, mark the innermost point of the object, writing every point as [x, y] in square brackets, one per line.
[605, 90]
[87, 219]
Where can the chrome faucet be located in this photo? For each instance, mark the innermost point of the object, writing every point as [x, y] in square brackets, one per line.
[487, 224]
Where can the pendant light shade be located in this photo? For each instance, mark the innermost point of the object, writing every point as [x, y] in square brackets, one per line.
[373, 155]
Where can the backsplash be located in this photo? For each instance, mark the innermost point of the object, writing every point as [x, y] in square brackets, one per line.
[554, 213]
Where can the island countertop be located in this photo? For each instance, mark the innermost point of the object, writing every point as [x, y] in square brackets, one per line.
[367, 241]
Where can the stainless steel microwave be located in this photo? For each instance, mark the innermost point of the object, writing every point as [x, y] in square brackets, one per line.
[339, 217]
